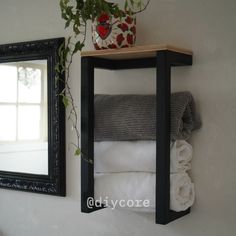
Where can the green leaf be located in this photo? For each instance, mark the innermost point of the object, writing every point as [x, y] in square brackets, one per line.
[69, 11]
[65, 100]
[68, 40]
[64, 16]
[78, 47]
[60, 50]
[66, 51]
[126, 5]
[77, 152]
[62, 4]
[80, 4]
[76, 29]
[67, 23]
[57, 68]
[57, 78]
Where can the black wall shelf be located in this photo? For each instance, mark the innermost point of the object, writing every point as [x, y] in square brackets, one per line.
[161, 57]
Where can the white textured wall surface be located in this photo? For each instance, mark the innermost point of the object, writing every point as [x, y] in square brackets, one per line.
[205, 26]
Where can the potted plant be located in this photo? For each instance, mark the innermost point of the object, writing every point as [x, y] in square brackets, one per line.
[112, 27]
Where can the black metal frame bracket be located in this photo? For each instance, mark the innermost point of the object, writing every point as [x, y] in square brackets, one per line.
[163, 61]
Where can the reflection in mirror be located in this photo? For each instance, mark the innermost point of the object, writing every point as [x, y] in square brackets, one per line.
[24, 118]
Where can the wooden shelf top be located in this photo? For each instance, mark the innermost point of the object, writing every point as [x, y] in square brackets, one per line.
[133, 52]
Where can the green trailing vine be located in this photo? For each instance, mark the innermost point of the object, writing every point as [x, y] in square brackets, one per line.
[76, 14]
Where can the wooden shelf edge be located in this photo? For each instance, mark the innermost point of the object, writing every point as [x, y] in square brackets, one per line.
[134, 51]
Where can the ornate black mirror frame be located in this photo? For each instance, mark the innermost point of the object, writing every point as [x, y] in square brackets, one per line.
[54, 182]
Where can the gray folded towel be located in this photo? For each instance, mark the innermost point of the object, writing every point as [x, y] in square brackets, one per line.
[133, 117]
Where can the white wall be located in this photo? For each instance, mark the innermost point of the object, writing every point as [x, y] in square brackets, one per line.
[208, 28]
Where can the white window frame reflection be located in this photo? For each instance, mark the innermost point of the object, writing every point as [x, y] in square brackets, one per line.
[43, 136]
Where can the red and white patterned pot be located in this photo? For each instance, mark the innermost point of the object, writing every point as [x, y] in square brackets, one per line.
[114, 32]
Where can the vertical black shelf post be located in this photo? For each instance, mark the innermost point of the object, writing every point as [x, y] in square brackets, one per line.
[87, 130]
[165, 59]
[163, 90]
[88, 65]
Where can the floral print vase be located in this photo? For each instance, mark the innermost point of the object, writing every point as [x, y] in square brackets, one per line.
[113, 32]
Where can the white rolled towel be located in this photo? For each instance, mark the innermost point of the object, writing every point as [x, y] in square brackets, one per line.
[137, 187]
[181, 153]
[124, 156]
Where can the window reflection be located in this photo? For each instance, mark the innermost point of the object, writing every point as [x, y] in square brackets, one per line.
[28, 129]
[23, 101]
[8, 84]
[29, 85]
[7, 123]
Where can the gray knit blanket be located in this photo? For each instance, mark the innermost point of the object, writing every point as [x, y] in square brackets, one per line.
[133, 117]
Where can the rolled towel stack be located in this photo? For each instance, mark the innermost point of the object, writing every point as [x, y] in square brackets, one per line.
[125, 150]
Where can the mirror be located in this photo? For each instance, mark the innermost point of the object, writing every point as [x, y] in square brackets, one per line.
[23, 120]
[32, 126]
